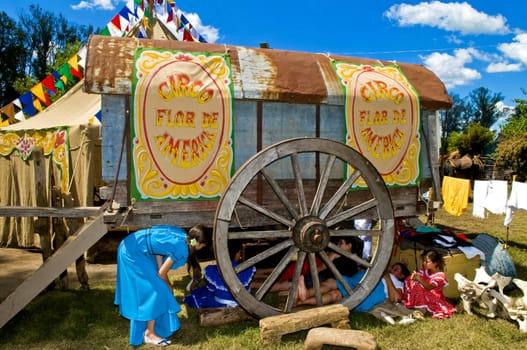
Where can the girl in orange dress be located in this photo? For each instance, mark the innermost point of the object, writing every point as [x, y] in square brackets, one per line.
[423, 289]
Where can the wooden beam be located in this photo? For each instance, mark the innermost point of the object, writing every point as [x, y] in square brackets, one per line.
[78, 212]
[74, 247]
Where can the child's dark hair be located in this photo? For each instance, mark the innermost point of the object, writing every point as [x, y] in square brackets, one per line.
[195, 234]
[435, 257]
[357, 244]
[404, 269]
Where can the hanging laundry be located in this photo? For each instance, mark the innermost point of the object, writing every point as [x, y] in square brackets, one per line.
[455, 195]
[517, 200]
[478, 198]
[489, 195]
[496, 201]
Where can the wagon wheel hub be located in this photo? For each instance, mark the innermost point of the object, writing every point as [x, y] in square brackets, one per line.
[311, 234]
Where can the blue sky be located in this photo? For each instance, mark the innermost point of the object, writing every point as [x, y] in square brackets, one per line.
[467, 44]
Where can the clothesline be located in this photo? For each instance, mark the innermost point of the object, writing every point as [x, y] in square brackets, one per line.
[488, 196]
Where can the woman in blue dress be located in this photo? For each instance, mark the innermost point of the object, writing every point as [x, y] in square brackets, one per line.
[143, 291]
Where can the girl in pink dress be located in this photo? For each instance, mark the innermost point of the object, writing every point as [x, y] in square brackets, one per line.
[423, 289]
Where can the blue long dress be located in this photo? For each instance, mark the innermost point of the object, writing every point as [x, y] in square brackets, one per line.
[139, 292]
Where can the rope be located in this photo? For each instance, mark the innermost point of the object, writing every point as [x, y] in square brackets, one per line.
[238, 220]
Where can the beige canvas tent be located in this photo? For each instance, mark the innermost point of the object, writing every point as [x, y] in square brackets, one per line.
[58, 147]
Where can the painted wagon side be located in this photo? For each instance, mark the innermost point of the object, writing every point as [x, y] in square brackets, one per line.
[293, 148]
[277, 95]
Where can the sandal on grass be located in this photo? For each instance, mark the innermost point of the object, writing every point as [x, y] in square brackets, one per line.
[162, 342]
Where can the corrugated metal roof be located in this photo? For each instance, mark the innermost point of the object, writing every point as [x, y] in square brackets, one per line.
[258, 73]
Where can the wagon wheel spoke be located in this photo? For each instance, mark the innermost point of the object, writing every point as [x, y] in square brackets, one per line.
[339, 194]
[322, 185]
[299, 184]
[314, 275]
[350, 213]
[259, 234]
[280, 193]
[354, 257]
[265, 211]
[294, 283]
[273, 276]
[263, 255]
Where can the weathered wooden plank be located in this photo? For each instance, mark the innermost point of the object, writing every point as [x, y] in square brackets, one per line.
[320, 336]
[274, 327]
[77, 212]
[75, 246]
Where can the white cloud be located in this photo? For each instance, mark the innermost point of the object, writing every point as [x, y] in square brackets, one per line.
[210, 33]
[451, 69]
[454, 16]
[500, 67]
[96, 5]
[516, 50]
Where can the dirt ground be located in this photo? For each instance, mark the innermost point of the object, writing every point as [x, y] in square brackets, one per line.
[16, 265]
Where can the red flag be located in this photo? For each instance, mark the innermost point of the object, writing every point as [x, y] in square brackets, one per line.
[117, 21]
[49, 83]
[187, 36]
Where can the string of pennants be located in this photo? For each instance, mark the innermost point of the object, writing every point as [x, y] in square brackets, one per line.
[135, 11]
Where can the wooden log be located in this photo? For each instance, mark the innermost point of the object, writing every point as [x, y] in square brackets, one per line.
[222, 315]
[274, 327]
[360, 340]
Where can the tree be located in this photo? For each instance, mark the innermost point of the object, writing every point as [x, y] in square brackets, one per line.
[12, 56]
[482, 106]
[451, 119]
[46, 36]
[517, 123]
[474, 140]
[511, 152]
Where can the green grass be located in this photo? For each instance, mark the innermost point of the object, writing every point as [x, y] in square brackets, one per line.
[77, 319]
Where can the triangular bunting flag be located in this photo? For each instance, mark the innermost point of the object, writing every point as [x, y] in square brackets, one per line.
[104, 31]
[38, 105]
[38, 91]
[59, 84]
[82, 54]
[65, 72]
[27, 103]
[170, 17]
[73, 62]
[187, 36]
[76, 73]
[49, 83]
[20, 116]
[116, 21]
[18, 104]
[9, 110]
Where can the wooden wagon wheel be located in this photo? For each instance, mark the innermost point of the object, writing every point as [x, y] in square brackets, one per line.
[304, 222]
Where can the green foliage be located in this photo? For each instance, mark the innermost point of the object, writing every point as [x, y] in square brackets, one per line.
[47, 35]
[517, 123]
[474, 140]
[511, 153]
[479, 107]
[12, 56]
[24, 83]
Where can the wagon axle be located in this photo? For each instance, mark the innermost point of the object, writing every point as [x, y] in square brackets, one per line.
[311, 234]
